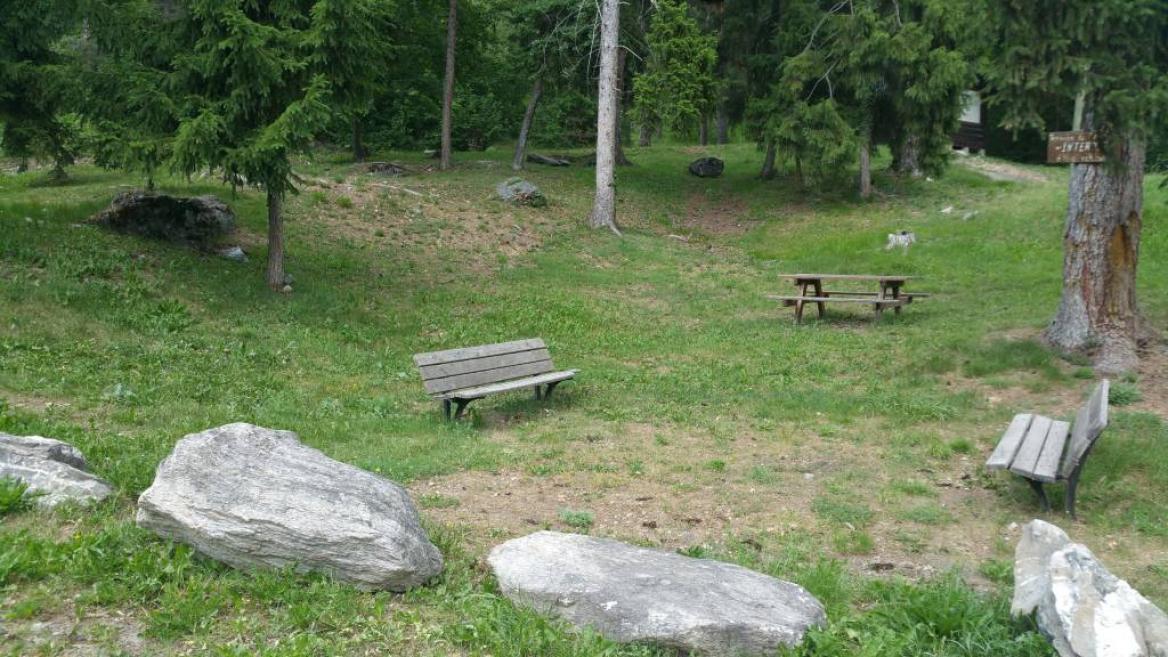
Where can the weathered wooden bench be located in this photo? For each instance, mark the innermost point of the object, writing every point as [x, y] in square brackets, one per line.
[1044, 451]
[798, 301]
[464, 375]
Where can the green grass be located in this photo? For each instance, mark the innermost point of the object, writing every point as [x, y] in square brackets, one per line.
[821, 441]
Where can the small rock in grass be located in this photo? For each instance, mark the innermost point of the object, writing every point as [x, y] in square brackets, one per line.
[55, 472]
[707, 167]
[520, 192]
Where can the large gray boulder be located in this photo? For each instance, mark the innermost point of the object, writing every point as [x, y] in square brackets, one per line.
[257, 498]
[199, 221]
[55, 472]
[520, 192]
[1084, 609]
[631, 594]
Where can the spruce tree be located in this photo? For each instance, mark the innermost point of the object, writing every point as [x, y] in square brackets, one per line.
[249, 99]
[36, 83]
[1111, 58]
[677, 89]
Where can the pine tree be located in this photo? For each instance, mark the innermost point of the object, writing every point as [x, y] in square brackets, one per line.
[35, 80]
[249, 99]
[1111, 55]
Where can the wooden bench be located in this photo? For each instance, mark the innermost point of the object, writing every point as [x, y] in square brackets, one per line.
[464, 375]
[877, 303]
[1044, 451]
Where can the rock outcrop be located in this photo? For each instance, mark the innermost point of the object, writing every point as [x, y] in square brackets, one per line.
[257, 498]
[628, 594]
[199, 221]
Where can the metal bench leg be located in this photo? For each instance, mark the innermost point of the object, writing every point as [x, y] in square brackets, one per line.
[1072, 488]
[550, 387]
[1037, 486]
[460, 406]
[446, 408]
[538, 392]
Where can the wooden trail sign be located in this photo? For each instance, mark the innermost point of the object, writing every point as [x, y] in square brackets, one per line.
[1064, 147]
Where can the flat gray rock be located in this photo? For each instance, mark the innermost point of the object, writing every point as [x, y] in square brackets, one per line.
[629, 594]
[1084, 609]
[55, 472]
[257, 498]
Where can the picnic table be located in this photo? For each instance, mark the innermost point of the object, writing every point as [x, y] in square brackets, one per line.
[811, 290]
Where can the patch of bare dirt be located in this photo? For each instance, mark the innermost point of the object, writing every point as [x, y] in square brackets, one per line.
[419, 220]
[721, 217]
[69, 631]
[1153, 382]
[996, 170]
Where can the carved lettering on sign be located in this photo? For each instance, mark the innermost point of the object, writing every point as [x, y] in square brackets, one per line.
[1064, 147]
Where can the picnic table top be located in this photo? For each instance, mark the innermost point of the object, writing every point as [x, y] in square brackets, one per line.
[846, 277]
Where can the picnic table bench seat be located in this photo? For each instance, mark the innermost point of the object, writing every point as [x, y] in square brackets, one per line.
[1043, 450]
[460, 376]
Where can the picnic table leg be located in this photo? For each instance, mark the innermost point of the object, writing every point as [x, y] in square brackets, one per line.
[798, 312]
[819, 293]
[896, 295]
[1037, 486]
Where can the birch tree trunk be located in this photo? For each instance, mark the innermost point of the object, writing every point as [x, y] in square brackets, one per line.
[645, 139]
[722, 121]
[865, 167]
[275, 274]
[768, 162]
[525, 128]
[618, 155]
[448, 85]
[1101, 248]
[604, 206]
[358, 140]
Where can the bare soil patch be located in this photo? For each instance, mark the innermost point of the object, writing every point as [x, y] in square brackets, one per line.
[721, 217]
[995, 170]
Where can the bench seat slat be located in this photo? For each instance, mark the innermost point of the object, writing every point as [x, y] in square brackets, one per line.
[485, 363]
[790, 300]
[504, 386]
[1046, 468]
[1031, 449]
[468, 353]
[482, 377]
[1011, 440]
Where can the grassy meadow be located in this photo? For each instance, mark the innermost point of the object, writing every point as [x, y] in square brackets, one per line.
[844, 454]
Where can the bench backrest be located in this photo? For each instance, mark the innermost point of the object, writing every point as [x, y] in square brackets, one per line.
[1089, 424]
[453, 369]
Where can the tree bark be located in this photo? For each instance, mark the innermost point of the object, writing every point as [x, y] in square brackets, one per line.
[768, 162]
[1101, 248]
[359, 152]
[525, 128]
[722, 121]
[704, 130]
[865, 167]
[275, 241]
[618, 154]
[448, 85]
[645, 138]
[604, 205]
[908, 157]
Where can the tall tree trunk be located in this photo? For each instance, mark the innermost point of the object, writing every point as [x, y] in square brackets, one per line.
[1101, 248]
[448, 85]
[359, 152]
[604, 206]
[645, 138]
[722, 121]
[275, 241]
[525, 128]
[865, 166]
[908, 156]
[618, 153]
[768, 162]
[704, 130]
